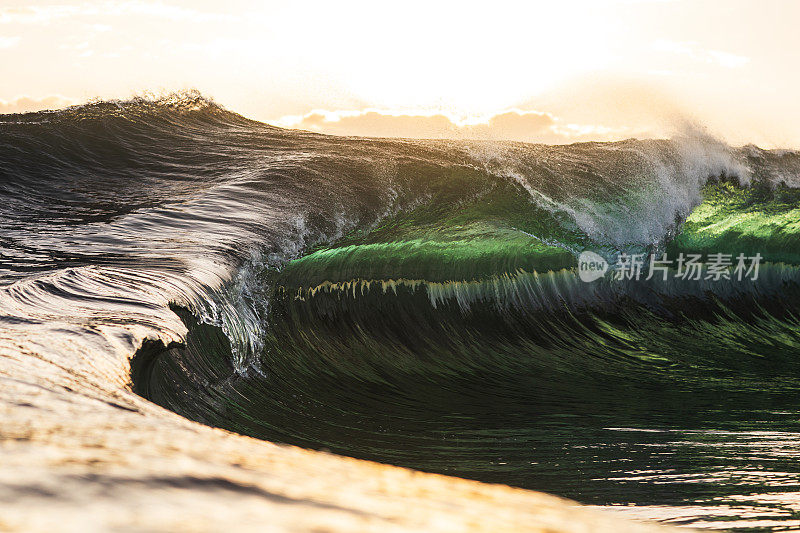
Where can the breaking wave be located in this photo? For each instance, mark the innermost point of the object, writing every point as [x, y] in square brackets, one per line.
[415, 302]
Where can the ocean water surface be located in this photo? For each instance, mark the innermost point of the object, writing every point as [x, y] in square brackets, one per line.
[418, 303]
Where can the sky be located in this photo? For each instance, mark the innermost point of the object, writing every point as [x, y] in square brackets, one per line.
[555, 71]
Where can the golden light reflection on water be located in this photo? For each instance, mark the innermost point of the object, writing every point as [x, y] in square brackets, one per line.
[770, 499]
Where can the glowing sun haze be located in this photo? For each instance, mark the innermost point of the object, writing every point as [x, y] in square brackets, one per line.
[557, 71]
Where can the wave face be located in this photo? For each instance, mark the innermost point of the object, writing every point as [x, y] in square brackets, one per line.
[417, 302]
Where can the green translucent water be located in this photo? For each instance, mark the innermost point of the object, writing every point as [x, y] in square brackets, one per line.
[456, 338]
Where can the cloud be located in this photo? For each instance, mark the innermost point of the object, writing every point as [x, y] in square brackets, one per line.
[36, 14]
[728, 60]
[374, 123]
[161, 10]
[516, 125]
[24, 104]
[48, 13]
[692, 50]
[8, 42]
